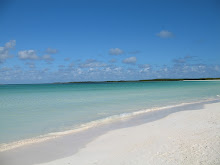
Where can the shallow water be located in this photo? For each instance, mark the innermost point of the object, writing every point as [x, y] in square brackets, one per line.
[28, 111]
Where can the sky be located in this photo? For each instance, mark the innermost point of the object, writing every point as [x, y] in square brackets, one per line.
[43, 41]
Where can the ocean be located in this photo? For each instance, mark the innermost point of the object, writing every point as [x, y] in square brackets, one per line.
[33, 110]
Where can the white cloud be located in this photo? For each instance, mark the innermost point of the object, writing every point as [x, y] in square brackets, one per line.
[47, 57]
[130, 60]
[115, 51]
[51, 51]
[32, 55]
[91, 63]
[165, 34]
[65, 74]
[144, 67]
[10, 44]
[4, 51]
[28, 55]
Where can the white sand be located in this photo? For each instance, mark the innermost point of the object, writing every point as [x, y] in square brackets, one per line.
[187, 137]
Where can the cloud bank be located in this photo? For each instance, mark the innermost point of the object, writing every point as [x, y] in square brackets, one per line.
[33, 70]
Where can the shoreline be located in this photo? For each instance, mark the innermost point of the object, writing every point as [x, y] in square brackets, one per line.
[116, 81]
[66, 143]
[91, 124]
[186, 137]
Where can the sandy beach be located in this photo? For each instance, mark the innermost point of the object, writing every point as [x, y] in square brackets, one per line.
[182, 135]
[188, 137]
[107, 82]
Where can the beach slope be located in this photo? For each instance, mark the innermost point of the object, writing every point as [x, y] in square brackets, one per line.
[187, 137]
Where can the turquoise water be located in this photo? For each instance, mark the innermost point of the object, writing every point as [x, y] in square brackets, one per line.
[28, 111]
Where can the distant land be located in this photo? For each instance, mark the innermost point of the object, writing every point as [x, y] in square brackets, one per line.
[167, 79]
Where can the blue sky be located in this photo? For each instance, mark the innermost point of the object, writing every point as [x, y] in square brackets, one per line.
[82, 40]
